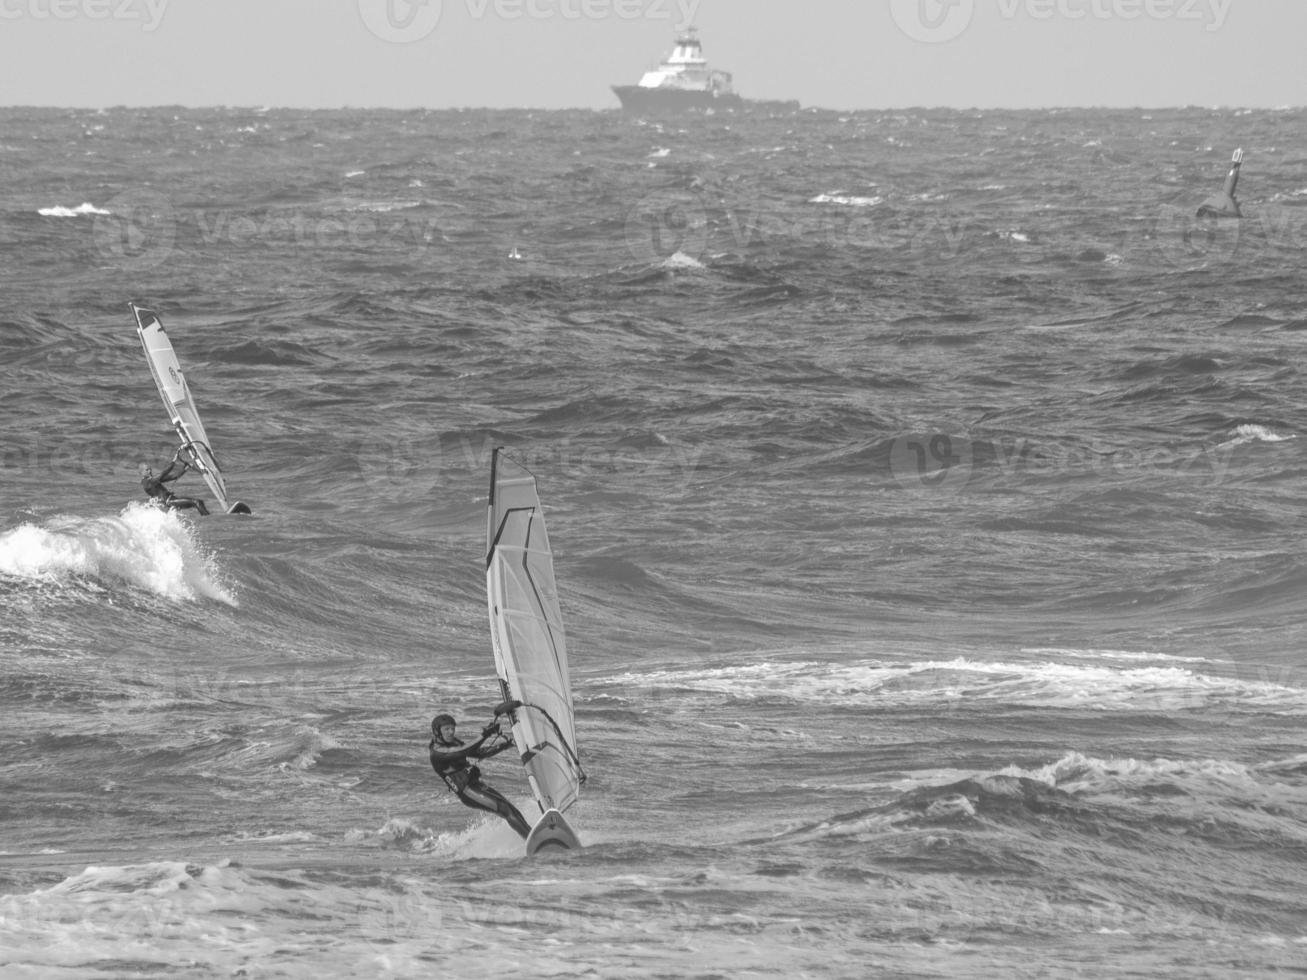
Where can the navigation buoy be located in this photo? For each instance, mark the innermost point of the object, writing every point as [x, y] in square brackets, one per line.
[1224, 205]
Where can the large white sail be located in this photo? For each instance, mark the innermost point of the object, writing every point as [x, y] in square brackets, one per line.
[526, 627]
[176, 395]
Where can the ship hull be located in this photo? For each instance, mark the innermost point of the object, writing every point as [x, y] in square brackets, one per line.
[637, 98]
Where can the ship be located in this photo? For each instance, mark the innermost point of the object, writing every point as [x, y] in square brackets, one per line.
[683, 81]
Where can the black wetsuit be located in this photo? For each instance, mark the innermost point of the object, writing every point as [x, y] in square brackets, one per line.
[154, 488]
[450, 761]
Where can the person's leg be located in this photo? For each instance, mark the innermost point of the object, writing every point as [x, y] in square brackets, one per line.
[188, 503]
[483, 797]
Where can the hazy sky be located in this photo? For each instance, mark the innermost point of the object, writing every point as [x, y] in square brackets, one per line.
[566, 53]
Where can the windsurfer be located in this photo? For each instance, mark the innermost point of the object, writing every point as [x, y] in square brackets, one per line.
[154, 486]
[449, 758]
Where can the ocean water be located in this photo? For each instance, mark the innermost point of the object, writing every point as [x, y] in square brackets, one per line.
[926, 491]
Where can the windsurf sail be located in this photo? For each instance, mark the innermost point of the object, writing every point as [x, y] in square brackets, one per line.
[526, 628]
[176, 395]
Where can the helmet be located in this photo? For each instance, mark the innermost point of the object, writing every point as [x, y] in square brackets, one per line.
[439, 722]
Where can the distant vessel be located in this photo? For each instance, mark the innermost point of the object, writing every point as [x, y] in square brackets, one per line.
[684, 81]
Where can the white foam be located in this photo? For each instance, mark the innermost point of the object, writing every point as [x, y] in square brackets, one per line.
[143, 546]
[128, 913]
[1102, 686]
[486, 837]
[59, 211]
[679, 260]
[1247, 433]
[848, 200]
[1075, 772]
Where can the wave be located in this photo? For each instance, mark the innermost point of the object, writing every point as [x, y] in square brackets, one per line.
[962, 682]
[1251, 433]
[164, 917]
[275, 353]
[143, 547]
[1084, 774]
[1093, 792]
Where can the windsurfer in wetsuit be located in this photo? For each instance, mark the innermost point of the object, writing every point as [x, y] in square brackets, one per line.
[449, 758]
[154, 486]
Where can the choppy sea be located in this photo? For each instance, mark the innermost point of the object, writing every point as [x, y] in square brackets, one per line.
[927, 496]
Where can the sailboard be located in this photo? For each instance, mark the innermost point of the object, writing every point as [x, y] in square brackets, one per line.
[526, 630]
[176, 395]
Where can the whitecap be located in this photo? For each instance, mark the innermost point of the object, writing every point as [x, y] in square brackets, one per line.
[849, 200]
[143, 546]
[679, 260]
[1247, 433]
[59, 211]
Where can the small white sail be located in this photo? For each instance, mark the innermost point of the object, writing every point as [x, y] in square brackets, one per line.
[176, 395]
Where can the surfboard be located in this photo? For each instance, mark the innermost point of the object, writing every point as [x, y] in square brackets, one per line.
[530, 649]
[180, 404]
[551, 833]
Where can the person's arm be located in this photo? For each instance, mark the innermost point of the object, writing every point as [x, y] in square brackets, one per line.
[496, 749]
[492, 731]
[460, 754]
[167, 476]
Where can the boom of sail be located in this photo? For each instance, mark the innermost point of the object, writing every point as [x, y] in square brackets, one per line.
[526, 627]
[176, 395]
